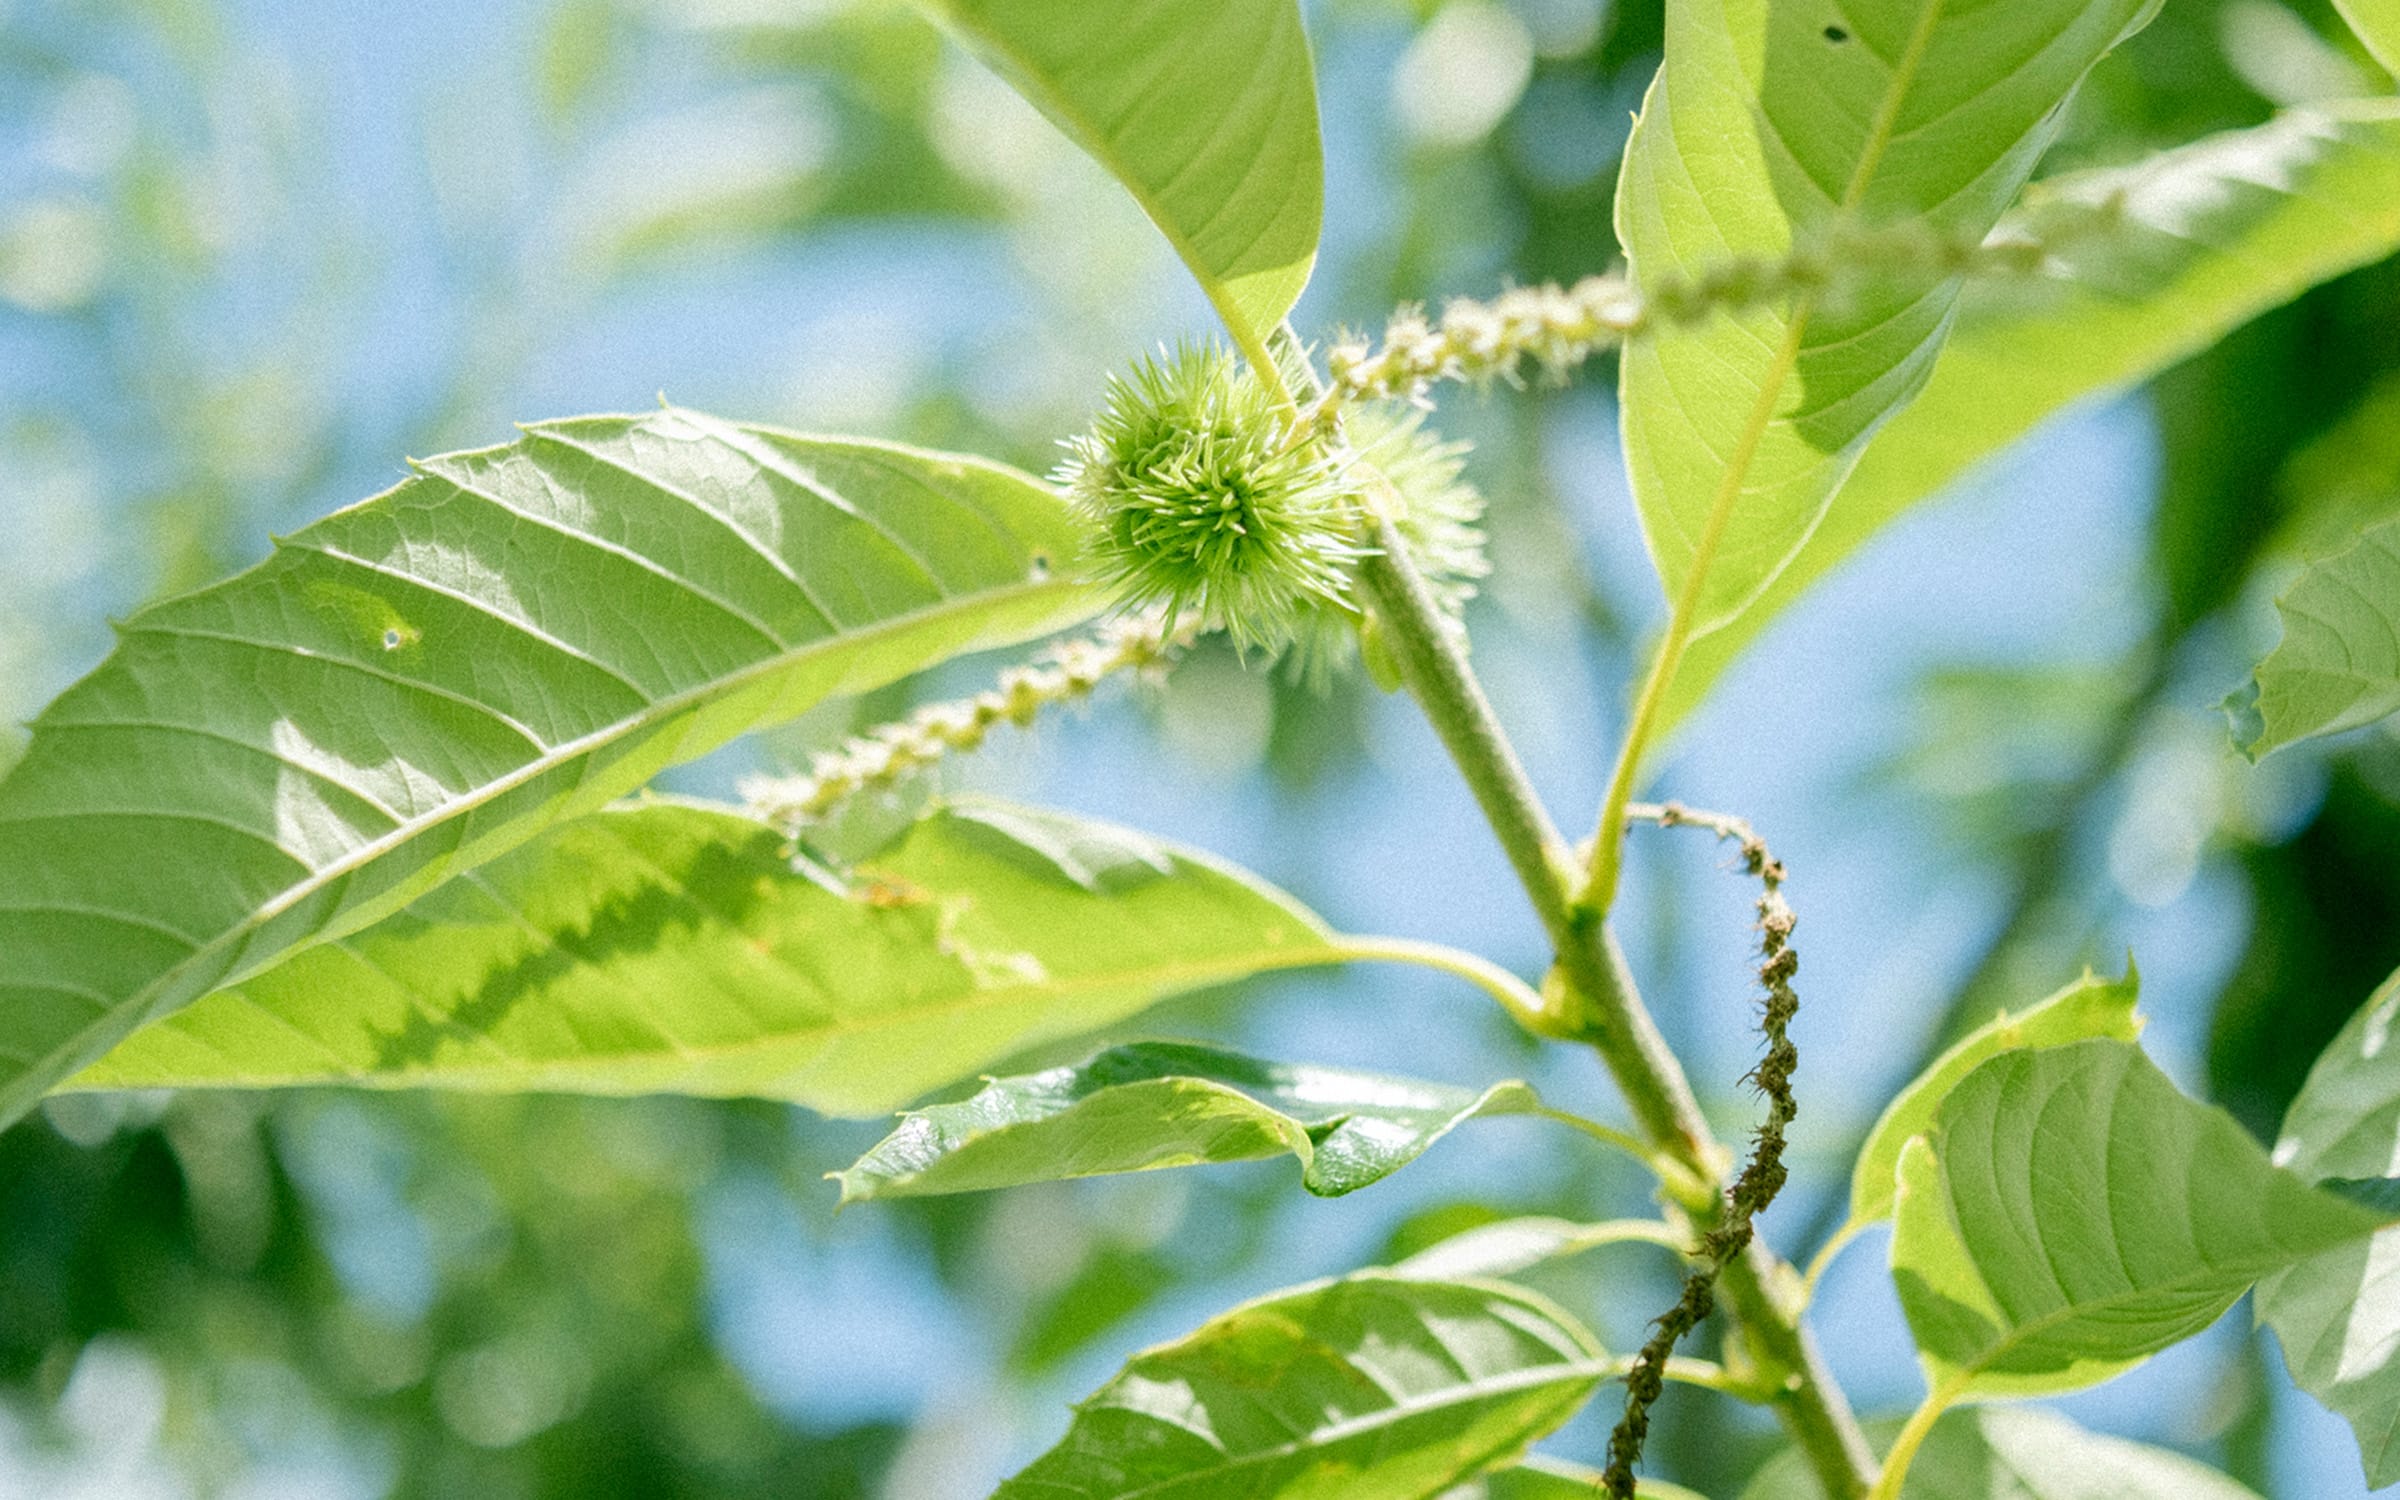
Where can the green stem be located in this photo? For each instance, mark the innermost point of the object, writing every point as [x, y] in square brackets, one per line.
[1905, 1446]
[1604, 1008]
[1680, 1184]
[1516, 997]
[1829, 1252]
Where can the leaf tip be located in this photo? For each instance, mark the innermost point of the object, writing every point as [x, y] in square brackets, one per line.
[2243, 719]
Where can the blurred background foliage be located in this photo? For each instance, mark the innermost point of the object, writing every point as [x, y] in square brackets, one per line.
[252, 252]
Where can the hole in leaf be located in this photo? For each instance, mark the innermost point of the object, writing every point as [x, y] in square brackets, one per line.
[392, 640]
[1836, 35]
[1041, 565]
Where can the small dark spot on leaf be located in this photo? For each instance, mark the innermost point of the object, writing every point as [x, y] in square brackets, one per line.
[1041, 565]
[1836, 34]
[391, 640]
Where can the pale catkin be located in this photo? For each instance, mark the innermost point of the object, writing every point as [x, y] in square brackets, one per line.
[1553, 330]
[885, 756]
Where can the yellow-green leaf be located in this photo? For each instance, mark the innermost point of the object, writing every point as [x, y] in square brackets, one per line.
[2205, 238]
[675, 948]
[1206, 110]
[420, 683]
[2377, 23]
[1768, 122]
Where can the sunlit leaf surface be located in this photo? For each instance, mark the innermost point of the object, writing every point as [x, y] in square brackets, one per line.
[672, 948]
[414, 686]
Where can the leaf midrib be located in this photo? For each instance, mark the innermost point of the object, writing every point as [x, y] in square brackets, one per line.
[551, 758]
[1194, 973]
[1762, 411]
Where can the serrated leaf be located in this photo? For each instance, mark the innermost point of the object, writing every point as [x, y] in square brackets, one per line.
[676, 948]
[2070, 1214]
[2338, 664]
[2206, 237]
[2338, 1315]
[2377, 23]
[1370, 1387]
[1148, 1105]
[1766, 123]
[416, 685]
[1511, 1246]
[1206, 112]
[2022, 1453]
[2090, 1007]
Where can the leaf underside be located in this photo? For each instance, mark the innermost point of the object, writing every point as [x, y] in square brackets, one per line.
[2071, 1213]
[1206, 113]
[2338, 1315]
[417, 684]
[1365, 1388]
[1768, 122]
[2205, 238]
[676, 948]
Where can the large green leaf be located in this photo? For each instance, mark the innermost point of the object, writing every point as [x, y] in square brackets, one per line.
[1767, 122]
[669, 947]
[2338, 664]
[1172, 1104]
[2338, 1315]
[1206, 111]
[1366, 1388]
[419, 683]
[2021, 1453]
[2070, 1213]
[2206, 237]
[2090, 1007]
[2377, 23]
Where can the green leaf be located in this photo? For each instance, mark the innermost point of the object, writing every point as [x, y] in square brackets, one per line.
[676, 948]
[2090, 1007]
[1207, 112]
[2338, 664]
[1492, 1251]
[2377, 23]
[2338, 1315]
[417, 684]
[1365, 1388]
[2207, 237]
[2021, 1453]
[2070, 1214]
[1171, 1104]
[1768, 122]
[1544, 1478]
